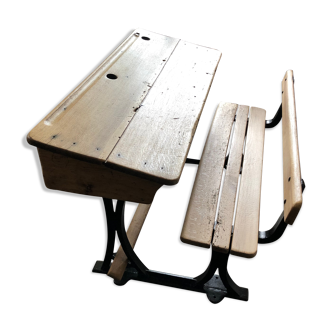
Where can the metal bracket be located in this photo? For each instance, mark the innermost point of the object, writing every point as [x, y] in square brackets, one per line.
[277, 117]
[215, 289]
[274, 233]
[192, 161]
[278, 229]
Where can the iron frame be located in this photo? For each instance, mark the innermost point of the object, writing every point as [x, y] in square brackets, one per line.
[215, 286]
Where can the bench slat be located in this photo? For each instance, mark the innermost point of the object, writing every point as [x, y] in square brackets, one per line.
[200, 217]
[245, 236]
[291, 159]
[222, 234]
[120, 262]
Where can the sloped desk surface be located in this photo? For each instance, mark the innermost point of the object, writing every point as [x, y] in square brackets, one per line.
[135, 115]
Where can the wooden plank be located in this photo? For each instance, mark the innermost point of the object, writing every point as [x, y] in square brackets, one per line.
[120, 262]
[223, 229]
[81, 177]
[90, 121]
[157, 141]
[200, 217]
[291, 157]
[245, 236]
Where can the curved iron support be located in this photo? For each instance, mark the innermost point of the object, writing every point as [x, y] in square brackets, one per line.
[111, 229]
[274, 233]
[126, 246]
[277, 117]
[103, 266]
[216, 288]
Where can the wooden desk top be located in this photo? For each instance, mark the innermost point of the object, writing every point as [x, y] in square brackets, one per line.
[138, 111]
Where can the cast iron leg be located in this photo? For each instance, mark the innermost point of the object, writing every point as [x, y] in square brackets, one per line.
[217, 287]
[103, 266]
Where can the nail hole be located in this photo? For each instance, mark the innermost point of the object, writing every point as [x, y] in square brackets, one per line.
[111, 76]
[119, 155]
[284, 201]
[74, 143]
[97, 149]
[145, 38]
[53, 136]
[289, 179]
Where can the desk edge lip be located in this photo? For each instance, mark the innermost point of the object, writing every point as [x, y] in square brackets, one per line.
[101, 162]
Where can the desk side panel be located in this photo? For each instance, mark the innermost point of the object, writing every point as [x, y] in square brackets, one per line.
[80, 177]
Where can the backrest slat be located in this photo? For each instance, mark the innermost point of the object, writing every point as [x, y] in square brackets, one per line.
[291, 158]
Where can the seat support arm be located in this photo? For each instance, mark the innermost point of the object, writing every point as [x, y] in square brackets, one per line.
[277, 117]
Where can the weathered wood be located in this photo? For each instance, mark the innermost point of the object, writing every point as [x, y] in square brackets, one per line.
[156, 143]
[200, 217]
[246, 225]
[120, 262]
[138, 111]
[80, 177]
[223, 229]
[291, 158]
[91, 120]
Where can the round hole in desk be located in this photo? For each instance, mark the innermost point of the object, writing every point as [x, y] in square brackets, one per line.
[111, 76]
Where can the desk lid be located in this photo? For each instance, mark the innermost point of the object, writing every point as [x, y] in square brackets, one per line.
[138, 111]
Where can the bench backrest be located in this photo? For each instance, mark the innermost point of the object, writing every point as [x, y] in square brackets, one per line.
[291, 158]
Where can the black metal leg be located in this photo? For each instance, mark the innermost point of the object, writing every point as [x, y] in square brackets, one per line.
[221, 285]
[103, 266]
[126, 246]
[216, 287]
[111, 229]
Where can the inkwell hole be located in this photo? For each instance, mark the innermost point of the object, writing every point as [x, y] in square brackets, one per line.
[111, 76]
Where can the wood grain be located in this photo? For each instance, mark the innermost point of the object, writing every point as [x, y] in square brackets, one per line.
[223, 229]
[246, 225]
[142, 118]
[80, 177]
[291, 158]
[92, 119]
[200, 217]
[120, 262]
[156, 143]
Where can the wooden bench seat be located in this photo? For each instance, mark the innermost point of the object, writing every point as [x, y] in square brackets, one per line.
[200, 218]
[235, 228]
